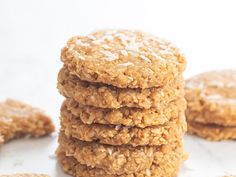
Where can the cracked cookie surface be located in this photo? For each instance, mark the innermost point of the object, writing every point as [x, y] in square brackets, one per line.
[123, 58]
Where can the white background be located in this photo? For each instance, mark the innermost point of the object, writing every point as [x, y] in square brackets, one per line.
[33, 32]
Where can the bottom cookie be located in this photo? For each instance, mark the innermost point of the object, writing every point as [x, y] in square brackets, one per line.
[119, 160]
[212, 132]
[71, 166]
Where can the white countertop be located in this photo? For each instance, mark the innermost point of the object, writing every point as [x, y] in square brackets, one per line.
[33, 32]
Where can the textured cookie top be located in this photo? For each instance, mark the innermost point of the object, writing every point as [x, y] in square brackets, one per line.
[123, 58]
[215, 86]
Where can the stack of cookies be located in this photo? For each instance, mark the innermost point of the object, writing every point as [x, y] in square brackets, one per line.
[211, 111]
[124, 109]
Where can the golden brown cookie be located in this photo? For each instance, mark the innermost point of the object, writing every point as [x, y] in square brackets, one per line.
[168, 169]
[19, 119]
[25, 175]
[211, 98]
[118, 159]
[212, 132]
[125, 116]
[105, 96]
[123, 58]
[118, 135]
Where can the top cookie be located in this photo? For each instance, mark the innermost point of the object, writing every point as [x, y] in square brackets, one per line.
[211, 97]
[123, 58]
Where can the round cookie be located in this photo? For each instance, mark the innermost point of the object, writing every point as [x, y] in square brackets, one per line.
[123, 58]
[105, 96]
[212, 132]
[118, 159]
[118, 135]
[125, 116]
[211, 98]
[169, 169]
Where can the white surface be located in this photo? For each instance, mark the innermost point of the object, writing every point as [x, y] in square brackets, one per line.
[33, 32]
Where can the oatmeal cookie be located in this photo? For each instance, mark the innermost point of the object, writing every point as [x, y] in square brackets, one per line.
[105, 96]
[211, 98]
[123, 58]
[125, 116]
[118, 135]
[168, 169]
[212, 132]
[118, 159]
[19, 119]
